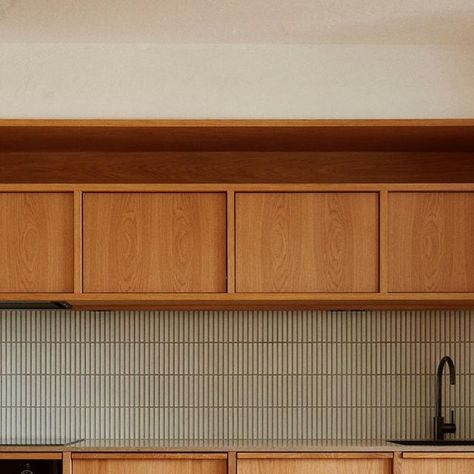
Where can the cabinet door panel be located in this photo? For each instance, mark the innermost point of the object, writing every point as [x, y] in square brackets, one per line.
[314, 466]
[146, 466]
[431, 242]
[36, 242]
[154, 242]
[306, 242]
[437, 466]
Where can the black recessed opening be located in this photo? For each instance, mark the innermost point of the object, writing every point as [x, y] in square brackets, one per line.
[34, 305]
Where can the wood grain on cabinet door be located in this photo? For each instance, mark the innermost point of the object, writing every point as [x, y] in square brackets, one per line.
[154, 242]
[431, 242]
[146, 466]
[36, 242]
[306, 242]
[437, 466]
[314, 466]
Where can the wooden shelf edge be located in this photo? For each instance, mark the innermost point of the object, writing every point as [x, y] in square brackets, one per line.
[241, 301]
[240, 297]
[438, 455]
[27, 454]
[118, 123]
[153, 456]
[319, 455]
[236, 187]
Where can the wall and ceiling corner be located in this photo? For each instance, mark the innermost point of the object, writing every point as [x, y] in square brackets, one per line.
[356, 59]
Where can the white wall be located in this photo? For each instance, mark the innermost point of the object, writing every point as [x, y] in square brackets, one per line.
[235, 81]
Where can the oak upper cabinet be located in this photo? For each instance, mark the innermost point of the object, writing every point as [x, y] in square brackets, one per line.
[306, 242]
[314, 464]
[154, 242]
[149, 464]
[36, 242]
[433, 463]
[431, 241]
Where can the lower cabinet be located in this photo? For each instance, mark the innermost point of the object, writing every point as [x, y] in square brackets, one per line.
[324, 463]
[273, 463]
[436, 463]
[149, 463]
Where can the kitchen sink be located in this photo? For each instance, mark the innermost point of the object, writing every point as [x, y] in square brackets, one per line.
[432, 442]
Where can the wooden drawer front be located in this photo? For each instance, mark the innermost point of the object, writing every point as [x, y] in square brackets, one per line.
[314, 466]
[431, 242]
[147, 466]
[36, 242]
[154, 242]
[437, 466]
[306, 242]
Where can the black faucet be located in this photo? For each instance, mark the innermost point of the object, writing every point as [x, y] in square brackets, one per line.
[440, 427]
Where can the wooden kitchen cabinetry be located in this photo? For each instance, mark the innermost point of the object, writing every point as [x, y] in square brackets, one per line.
[36, 242]
[238, 214]
[434, 463]
[323, 463]
[306, 242]
[149, 463]
[431, 241]
[154, 242]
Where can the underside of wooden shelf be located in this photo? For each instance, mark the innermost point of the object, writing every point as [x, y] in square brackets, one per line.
[236, 151]
[238, 135]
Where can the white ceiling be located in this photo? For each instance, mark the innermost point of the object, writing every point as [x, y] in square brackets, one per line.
[238, 21]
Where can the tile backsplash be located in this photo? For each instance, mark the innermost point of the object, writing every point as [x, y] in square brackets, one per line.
[231, 375]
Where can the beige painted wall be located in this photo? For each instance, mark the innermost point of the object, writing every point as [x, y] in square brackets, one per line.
[222, 81]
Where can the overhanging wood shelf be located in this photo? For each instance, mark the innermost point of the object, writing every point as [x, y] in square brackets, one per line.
[237, 135]
[236, 151]
[242, 156]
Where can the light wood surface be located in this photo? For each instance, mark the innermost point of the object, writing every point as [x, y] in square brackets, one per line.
[397, 463]
[436, 466]
[77, 242]
[153, 123]
[383, 241]
[230, 242]
[256, 300]
[162, 242]
[36, 242]
[149, 466]
[314, 466]
[67, 463]
[30, 455]
[439, 455]
[306, 242]
[431, 242]
[269, 305]
[151, 456]
[70, 204]
[315, 455]
[232, 462]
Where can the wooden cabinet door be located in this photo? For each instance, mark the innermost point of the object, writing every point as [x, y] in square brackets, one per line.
[306, 242]
[329, 464]
[431, 242]
[437, 466]
[154, 242]
[36, 242]
[146, 464]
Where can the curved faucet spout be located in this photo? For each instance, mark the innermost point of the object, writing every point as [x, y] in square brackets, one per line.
[452, 371]
[440, 427]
